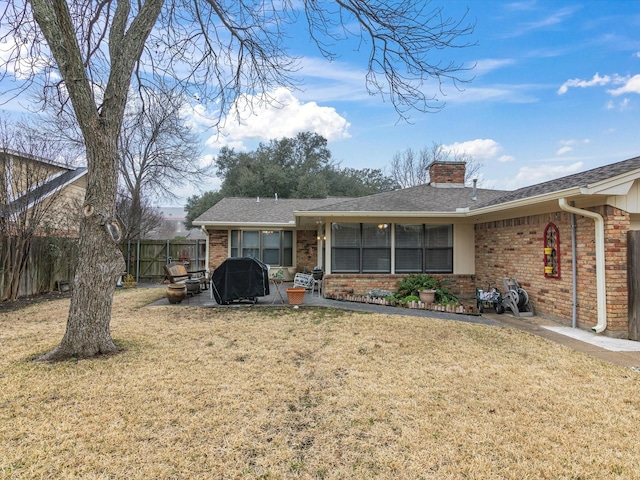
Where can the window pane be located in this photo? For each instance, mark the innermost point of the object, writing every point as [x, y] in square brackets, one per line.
[251, 244]
[409, 248]
[271, 256]
[251, 239]
[270, 239]
[409, 235]
[235, 238]
[376, 260]
[376, 235]
[438, 235]
[235, 242]
[287, 239]
[409, 260]
[345, 234]
[439, 260]
[270, 247]
[345, 260]
[287, 248]
[251, 252]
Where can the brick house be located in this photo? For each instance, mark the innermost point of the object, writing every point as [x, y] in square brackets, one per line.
[565, 240]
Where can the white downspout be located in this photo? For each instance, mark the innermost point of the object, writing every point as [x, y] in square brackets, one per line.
[601, 288]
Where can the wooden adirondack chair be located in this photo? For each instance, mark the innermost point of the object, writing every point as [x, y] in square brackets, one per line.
[177, 272]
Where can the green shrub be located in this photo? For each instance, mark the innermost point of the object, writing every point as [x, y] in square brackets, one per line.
[411, 286]
[409, 299]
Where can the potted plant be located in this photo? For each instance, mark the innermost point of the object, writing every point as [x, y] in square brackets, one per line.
[421, 285]
[128, 281]
[427, 296]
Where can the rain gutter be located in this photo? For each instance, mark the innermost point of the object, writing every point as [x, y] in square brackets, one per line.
[601, 291]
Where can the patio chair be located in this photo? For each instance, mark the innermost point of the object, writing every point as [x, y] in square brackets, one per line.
[177, 272]
[306, 281]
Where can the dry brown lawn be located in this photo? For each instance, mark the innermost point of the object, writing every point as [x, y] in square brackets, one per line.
[318, 394]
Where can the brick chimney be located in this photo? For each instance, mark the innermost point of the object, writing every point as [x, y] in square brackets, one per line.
[447, 174]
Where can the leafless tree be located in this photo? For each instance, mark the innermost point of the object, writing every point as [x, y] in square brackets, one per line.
[95, 50]
[157, 150]
[32, 202]
[409, 168]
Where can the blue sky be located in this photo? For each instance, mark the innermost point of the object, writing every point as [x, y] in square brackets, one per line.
[555, 90]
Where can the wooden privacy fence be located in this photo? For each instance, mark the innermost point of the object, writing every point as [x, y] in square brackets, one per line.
[146, 258]
[51, 261]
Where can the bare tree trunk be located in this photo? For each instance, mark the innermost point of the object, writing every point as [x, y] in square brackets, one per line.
[100, 262]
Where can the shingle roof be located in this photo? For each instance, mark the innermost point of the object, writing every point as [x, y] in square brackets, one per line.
[422, 198]
[47, 188]
[268, 211]
[582, 179]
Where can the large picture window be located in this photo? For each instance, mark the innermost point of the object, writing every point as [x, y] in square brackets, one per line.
[273, 247]
[366, 248]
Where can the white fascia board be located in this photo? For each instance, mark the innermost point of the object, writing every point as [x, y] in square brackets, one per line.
[524, 202]
[608, 188]
[57, 189]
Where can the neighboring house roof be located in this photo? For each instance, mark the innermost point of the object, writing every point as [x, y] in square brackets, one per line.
[173, 219]
[46, 189]
[259, 211]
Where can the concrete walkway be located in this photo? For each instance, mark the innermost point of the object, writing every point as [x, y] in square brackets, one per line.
[621, 352]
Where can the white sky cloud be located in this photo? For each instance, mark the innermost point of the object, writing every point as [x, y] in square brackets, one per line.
[17, 60]
[631, 85]
[479, 149]
[567, 146]
[538, 174]
[276, 115]
[597, 80]
[487, 65]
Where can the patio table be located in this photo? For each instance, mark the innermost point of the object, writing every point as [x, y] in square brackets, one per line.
[277, 283]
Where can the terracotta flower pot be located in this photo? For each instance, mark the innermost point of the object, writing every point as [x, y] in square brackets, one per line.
[295, 295]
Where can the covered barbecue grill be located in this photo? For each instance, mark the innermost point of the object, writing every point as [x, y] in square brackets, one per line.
[241, 278]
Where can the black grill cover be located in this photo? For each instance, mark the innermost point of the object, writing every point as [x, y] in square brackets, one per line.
[239, 279]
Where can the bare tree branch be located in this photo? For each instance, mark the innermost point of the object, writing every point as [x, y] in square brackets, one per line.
[408, 168]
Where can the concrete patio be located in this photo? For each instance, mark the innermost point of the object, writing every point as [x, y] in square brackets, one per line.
[279, 299]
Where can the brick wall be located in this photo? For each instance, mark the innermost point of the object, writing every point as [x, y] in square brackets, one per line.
[218, 247]
[514, 248]
[337, 284]
[447, 172]
[306, 250]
